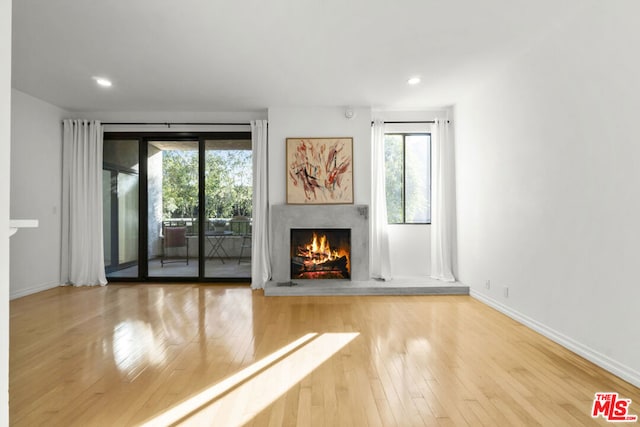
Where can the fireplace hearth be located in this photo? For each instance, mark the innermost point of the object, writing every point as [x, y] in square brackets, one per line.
[318, 254]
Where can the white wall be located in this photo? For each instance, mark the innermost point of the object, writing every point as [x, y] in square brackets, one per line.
[36, 193]
[548, 168]
[5, 163]
[410, 250]
[319, 122]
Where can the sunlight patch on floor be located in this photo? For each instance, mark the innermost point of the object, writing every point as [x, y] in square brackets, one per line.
[237, 399]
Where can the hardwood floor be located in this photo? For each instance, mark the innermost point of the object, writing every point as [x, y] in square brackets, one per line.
[225, 355]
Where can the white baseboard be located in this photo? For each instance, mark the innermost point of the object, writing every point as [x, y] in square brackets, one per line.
[32, 290]
[625, 372]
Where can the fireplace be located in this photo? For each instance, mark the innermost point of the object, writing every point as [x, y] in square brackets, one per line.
[320, 253]
[284, 218]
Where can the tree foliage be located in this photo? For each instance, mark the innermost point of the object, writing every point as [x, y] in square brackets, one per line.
[228, 183]
[417, 176]
[228, 187]
[179, 184]
[394, 179]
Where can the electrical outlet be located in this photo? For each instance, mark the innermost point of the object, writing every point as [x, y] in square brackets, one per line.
[487, 285]
[506, 292]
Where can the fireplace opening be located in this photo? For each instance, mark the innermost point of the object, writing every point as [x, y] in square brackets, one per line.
[323, 253]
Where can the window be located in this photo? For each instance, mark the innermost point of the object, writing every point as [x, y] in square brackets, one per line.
[408, 177]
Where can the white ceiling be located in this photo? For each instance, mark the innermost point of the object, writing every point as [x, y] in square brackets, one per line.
[248, 55]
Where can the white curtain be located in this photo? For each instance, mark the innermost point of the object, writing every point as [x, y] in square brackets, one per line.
[260, 250]
[442, 207]
[379, 262]
[82, 245]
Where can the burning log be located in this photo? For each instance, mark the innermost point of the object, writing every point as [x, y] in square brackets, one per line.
[338, 264]
[317, 259]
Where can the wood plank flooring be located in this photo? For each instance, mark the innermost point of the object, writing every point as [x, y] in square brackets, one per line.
[220, 355]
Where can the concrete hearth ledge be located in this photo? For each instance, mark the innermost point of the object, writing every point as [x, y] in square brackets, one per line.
[397, 286]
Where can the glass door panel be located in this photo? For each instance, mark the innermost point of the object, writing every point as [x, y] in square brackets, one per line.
[228, 202]
[127, 218]
[172, 221]
[120, 190]
[106, 217]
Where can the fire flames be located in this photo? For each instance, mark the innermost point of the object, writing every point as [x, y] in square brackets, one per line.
[319, 252]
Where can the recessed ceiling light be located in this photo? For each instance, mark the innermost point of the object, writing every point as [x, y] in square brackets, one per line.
[413, 80]
[103, 82]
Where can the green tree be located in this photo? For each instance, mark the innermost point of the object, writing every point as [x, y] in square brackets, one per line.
[228, 183]
[394, 180]
[180, 183]
[417, 175]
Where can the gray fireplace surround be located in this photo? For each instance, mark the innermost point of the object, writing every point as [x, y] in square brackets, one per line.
[286, 217]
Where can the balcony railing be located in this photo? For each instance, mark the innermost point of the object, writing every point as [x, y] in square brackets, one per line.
[240, 226]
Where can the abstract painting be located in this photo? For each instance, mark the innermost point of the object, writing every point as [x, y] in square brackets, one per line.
[319, 170]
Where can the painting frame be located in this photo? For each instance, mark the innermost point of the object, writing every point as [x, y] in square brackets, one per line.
[319, 171]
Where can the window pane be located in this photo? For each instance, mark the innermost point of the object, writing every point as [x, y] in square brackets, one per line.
[418, 179]
[393, 159]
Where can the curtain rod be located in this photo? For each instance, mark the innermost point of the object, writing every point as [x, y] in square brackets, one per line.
[169, 124]
[410, 122]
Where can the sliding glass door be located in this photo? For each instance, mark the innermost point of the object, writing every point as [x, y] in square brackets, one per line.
[192, 196]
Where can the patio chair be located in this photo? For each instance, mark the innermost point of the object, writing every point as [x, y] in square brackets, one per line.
[245, 245]
[174, 238]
